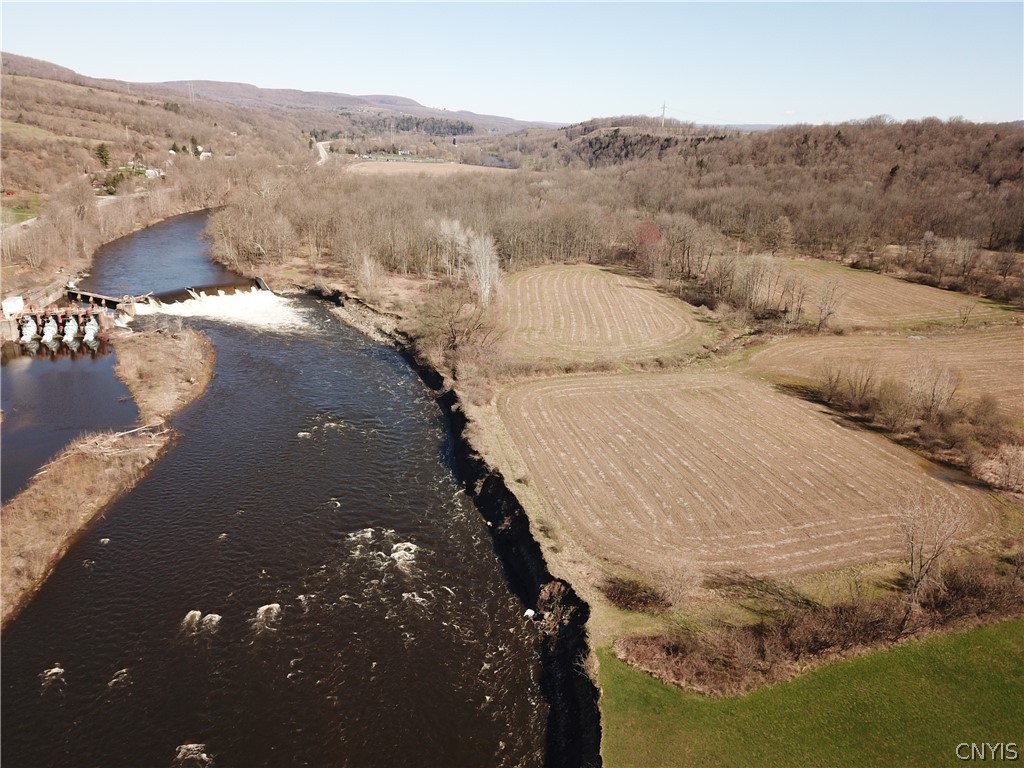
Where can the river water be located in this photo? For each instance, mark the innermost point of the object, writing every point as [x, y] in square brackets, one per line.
[311, 477]
[50, 400]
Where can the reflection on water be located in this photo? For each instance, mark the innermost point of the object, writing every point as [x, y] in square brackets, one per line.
[50, 398]
[164, 257]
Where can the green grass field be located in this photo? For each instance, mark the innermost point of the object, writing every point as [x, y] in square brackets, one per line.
[910, 706]
[20, 207]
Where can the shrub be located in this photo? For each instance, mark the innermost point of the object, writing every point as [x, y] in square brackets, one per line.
[634, 595]
[731, 660]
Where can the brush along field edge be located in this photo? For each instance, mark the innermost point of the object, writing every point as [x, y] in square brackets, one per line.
[41, 523]
[709, 472]
[991, 359]
[907, 706]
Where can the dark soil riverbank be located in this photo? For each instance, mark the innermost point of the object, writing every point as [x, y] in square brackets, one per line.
[574, 723]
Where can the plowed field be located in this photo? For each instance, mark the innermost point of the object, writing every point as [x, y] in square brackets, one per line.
[399, 167]
[656, 472]
[584, 312]
[873, 300]
[991, 359]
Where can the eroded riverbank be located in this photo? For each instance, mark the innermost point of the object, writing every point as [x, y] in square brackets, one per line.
[574, 722]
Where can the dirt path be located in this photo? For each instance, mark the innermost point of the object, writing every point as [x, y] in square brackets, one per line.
[321, 147]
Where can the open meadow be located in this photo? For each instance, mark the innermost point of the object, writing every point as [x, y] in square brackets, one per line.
[584, 312]
[428, 168]
[908, 706]
[871, 300]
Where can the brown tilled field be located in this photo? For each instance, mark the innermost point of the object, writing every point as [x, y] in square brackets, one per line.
[991, 359]
[585, 312]
[656, 472]
[873, 300]
[397, 167]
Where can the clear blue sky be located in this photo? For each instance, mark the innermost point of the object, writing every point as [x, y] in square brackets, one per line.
[708, 62]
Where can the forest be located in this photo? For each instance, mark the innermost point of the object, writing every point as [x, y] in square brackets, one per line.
[936, 202]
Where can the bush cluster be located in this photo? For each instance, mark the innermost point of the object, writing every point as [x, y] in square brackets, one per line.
[928, 411]
[796, 631]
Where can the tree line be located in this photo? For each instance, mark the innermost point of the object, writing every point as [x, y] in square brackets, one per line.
[847, 187]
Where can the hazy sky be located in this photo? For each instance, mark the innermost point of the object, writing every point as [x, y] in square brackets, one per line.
[708, 62]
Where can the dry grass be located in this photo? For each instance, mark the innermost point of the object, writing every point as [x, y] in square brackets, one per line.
[991, 359]
[871, 300]
[165, 372]
[657, 472]
[164, 368]
[587, 313]
[400, 167]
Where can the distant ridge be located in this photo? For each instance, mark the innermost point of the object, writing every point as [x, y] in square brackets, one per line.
[244, 94]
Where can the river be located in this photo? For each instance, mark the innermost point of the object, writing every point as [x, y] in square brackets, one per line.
[49, 400]
[311, 476]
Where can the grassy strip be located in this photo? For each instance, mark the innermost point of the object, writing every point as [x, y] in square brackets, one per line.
[165, 371]
[20, 207]
[905, 707]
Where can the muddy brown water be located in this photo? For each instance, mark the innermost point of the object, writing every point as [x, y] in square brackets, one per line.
[312, 476]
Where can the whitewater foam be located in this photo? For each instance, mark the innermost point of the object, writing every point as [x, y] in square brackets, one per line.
[255, 308]
[192, 756]
[404, 555]
[267, 617]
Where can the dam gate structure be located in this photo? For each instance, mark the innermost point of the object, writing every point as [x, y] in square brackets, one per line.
[42, 318]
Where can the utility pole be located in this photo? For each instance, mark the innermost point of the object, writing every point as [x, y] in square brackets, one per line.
[663, 115]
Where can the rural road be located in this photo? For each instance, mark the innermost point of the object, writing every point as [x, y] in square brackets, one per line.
[322, 147]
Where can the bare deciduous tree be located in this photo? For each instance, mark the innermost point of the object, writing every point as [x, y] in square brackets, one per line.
[829, 299]
[934, 389]
[964, 311]
[778, 235]
[831, 379]
[860, 383]
[450, 320]
[895, 406]
[482, 257]
[928, 527]
[794, 294]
